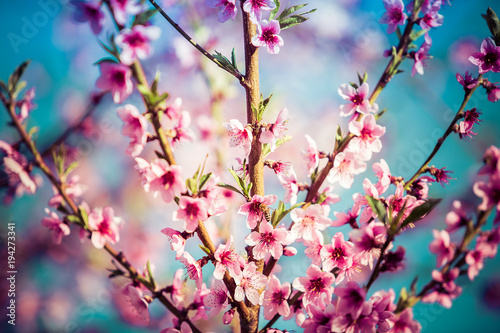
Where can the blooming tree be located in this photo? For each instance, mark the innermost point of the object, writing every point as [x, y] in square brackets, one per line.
[347, 251]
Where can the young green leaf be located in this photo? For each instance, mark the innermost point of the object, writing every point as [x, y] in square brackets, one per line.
[231, 188]
[275, 10]
[16, 76]
[421, 211]
[377, 207]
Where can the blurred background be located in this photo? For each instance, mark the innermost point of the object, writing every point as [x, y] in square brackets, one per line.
[64, 288]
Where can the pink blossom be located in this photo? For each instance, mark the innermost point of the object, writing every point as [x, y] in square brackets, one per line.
[420, 187]
[345, 165]
[320, 320]
[214, 197]
[431, 19]
[488, 59]
[227, 11]
[104, 226]
[442, 176]
[268, 240]
[489, 192]
[309, 222]
[475, 260]
[347, 218]
[256, 7]
[123, 7]
[167, 181]
[442, 246]
[193, 268]
[135, 125]
[404, 322]
[316, 286]
[369, 240]
[492, 89]
[311, 155]
[268, 35]
[58, 227]
[289, 182]
[338, 254]
[227, 317]
[199, 303]
[326, 198]
[313, 250]
[182, 132]
[255, 209]
[446, 289]
[358, 99]
[89, 12]
[249, 283]
[398, 200]
[488, 241]
[73, 190]
[465, 127]
[346, 322]
[137, 304]
[176, 290]
[275, 298]
[26, 105]
[217, 299]
[19, 179]
[383, 174]
[394, 15]
[457, 218]
[191, 210]
[275, 131]
[394, 260]
[177, 241]
[226, 256]
[491, 160]
[367, 134]
[383, 306]
[240, 136]
[135, 42]
[468, 81]
[351, 299]
[420, 59]
[117, 79]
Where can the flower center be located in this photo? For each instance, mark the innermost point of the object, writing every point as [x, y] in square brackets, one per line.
[192, 210]
[278, 297]
[167, 180]
[119, 78]
[135, 39]
[267, 238]
[316, 285]
[490, 58]
[357, 99]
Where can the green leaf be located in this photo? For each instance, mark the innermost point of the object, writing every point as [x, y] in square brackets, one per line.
[377, 207]
[233, 59]
[104, 60]
[144, 17]
[262, 106]
[239, 181]
[284, 213]
[266, 149]
[191, 185]
[154, 85]
[150, 275]
[275, 10]
[230, 187]
[203, 180]
[71, 167]
[421, 211]
[205, 249]
[413, 287]
[493, 24]
[73, 219]
[16, 76]
[143, 89]
[292, 21]
[225, 63]
[20, 86]
[33, 131]
[255, 112]
[289, 10]
[85, 217]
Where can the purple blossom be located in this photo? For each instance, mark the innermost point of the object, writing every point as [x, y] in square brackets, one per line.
[488, 59]
[256, 7]
[442, 246]
[358, 98]
[465, 127]
[468, 81]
